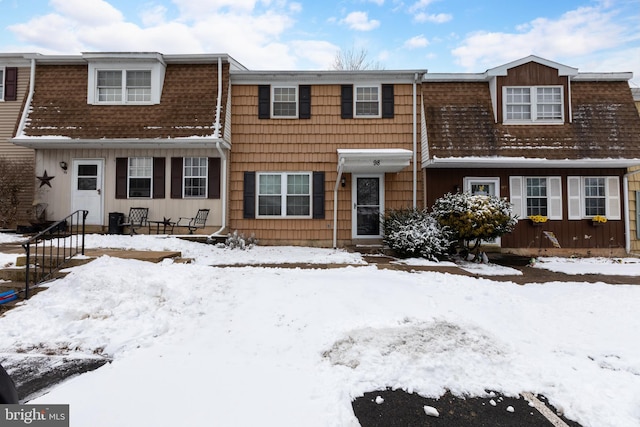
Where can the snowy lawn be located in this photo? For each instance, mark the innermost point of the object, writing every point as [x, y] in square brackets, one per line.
[199, 345]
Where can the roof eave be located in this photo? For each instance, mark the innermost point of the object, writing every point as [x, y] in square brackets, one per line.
[60, 143]
[521, 162]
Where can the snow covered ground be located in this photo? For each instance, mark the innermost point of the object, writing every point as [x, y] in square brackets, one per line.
[199, 345]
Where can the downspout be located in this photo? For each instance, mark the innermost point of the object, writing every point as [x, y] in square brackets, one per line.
[335, 204]
[27, 105]
[223, 155]
[627, 221]
[415, 143]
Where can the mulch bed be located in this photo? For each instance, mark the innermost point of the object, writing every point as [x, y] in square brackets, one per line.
[402, 409]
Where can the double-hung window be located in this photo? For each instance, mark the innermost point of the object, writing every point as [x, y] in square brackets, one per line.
[594, 196]
[591, 196]
[285, 102]
[284, 194]
[537, 195]
[195, 177]
[123, 86]
[140, 176]
[537, 202]
[367, 101]
[533, 104]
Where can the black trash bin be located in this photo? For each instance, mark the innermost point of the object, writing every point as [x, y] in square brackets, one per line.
[115, 223]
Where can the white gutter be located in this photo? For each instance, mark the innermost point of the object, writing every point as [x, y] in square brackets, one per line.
[223, 155]
[415, 144]
[627, 220]
[335, 203]
[27, 105]
[216, 125]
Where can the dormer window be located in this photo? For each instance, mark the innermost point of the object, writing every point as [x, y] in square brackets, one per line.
[533, 104]
[124, 86]
[130, 79]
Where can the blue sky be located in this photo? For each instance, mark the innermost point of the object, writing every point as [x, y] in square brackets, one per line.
[437, 35]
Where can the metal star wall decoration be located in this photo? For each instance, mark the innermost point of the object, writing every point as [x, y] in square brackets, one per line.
[45, 179]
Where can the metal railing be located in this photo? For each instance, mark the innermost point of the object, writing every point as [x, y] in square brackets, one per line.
[48, 251]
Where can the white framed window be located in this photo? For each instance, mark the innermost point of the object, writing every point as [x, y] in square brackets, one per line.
[122, 83]
[123, 86]
[594, 195]
[195, 177]
[140, 177]
[536, 195]
[286, 194]
[367, 101]
[533, 104]
[285, 102]
[1, 83]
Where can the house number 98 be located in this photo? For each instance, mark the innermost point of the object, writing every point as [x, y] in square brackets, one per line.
[376, 163]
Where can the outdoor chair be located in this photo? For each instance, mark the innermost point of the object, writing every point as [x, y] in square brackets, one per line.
[198, 221]
[137, 219]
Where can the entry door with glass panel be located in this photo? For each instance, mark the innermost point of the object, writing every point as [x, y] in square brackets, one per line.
[483, 187]
[368, 204]
[87, 189]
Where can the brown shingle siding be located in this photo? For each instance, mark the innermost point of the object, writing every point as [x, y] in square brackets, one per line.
[461, 123]
[187, 106]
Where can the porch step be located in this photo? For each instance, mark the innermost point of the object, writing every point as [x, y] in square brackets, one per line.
[48, 261]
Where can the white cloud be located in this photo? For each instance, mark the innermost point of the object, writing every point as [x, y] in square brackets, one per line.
[318, 54]
[154, 15]
[420, 5]
[416, 42]
[378, 2]
[360, 21]
[88, 12]
[579, 32]
[253, 37]
[437, 18]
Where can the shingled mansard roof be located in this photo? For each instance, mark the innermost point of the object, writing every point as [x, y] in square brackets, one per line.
[604, 127]
[59, 114]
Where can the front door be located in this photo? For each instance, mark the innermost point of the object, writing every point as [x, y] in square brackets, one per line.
[484, 186]
[87, 189]
[368, 204]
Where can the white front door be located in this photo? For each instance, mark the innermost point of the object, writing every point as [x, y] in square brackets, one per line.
[86, 189]
[367, 193]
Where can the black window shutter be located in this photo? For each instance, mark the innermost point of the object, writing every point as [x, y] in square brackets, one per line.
[11, 84]
[264, 101]
[318, 195]
[249, 198]
[122, 164]
[346, 94]
[387, 101]
[304, 102]
[176, 177]
[158, 177]
[214, 178]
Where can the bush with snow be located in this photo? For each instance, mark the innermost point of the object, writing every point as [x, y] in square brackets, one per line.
[474, 218]
[237, 240]
[415, 233]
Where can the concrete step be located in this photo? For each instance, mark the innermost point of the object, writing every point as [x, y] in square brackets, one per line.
[47, 261]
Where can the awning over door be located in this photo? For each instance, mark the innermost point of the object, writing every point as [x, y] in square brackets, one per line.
[373, 160]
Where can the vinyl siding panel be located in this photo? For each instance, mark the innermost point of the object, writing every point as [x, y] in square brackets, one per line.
[10, 112]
